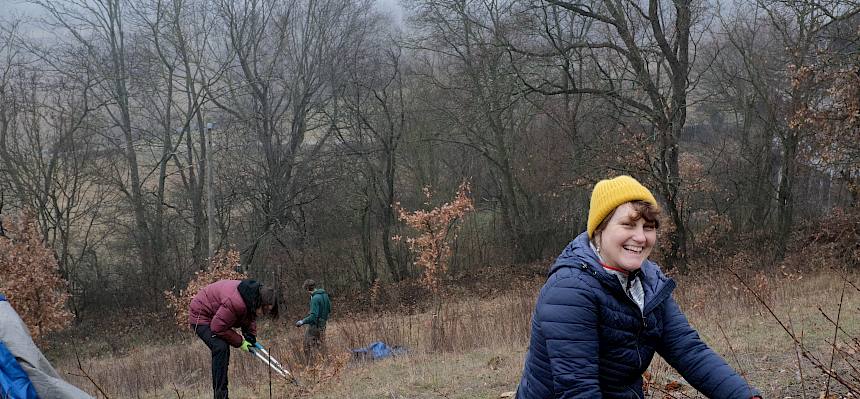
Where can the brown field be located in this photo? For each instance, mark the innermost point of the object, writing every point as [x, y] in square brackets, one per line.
[484, 341]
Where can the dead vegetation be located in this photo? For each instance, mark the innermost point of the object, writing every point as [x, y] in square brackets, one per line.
[791, 327]
[486, 340]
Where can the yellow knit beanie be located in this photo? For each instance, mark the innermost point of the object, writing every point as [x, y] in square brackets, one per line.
[609, 194]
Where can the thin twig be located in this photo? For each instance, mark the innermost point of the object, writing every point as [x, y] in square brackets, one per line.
[855, 339]
[175, 389]
[835, 335]
[808, 355]
[87, 375]
[797, 357]
[732, 349]
[844, 277]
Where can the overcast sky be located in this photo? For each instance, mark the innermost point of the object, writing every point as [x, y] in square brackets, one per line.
[16, 8]
[390, 6]
[11, 8]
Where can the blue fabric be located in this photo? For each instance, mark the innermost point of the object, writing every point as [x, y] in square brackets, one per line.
[14, 383]
[377, 350]
[2, 298]
[590, 340]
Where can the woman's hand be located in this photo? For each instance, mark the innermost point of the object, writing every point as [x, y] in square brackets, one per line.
[246, 346]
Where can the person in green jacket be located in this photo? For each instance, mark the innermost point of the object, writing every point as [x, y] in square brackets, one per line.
[316, 320]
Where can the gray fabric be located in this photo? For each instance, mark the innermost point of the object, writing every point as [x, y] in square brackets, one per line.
[633, 289]
[16, 337]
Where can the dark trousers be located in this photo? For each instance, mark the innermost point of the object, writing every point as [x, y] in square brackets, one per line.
[314, 343]
[220, 358]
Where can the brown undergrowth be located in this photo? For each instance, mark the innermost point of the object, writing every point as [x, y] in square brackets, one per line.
[486, 339]
[792, 328]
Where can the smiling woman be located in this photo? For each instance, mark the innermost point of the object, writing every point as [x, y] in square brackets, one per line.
[626, 237]
[605, 310]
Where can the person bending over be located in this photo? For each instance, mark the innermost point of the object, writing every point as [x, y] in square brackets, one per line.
[222, 306]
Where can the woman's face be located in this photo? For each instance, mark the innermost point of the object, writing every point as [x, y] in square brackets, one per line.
[625, 243]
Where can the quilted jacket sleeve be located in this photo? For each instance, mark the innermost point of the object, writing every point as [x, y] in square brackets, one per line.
[250, 328]
[567, 313]
[222, 325]
[703, 368]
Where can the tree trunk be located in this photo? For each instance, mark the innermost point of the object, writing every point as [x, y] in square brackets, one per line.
[785, 197]
[397, 267]
[669, 189]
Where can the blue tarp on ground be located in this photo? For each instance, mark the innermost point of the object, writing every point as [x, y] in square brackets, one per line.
[377, 350]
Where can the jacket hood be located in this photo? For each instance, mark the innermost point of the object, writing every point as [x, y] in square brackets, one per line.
[318, 291]
[579, 252]
[250, 292]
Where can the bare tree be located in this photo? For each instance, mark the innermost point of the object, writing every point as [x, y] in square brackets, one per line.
[376, 110]
[777, 41]
[642, 54]
[737, 113]
[99, 26]
[279, 90]
[482, 104]
[50, 152]
[178, 36]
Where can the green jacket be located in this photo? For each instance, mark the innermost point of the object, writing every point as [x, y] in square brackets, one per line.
[320, 308]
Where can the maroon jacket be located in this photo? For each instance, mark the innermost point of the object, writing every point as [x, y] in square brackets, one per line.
[221, 307]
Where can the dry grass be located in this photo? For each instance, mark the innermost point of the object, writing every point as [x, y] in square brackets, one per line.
[486, 342]
[728, 317]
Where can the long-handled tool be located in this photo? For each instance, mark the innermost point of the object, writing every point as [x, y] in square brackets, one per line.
[262, 354]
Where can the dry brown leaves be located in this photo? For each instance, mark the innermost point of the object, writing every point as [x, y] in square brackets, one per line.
[221, 267]
[31, 278]
[435, 227]
[834, 118]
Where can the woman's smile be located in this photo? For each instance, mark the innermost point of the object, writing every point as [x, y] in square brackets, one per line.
[627, 239]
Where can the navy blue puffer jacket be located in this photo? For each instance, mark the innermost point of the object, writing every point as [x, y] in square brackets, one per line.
[590, 340]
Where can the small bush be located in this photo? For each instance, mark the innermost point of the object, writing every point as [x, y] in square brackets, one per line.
[31, 278]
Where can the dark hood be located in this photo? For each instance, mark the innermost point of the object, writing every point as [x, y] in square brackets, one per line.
[576, 253]
[250, 292]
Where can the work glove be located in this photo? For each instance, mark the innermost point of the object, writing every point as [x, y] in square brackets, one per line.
[299, 323]
[250, 338]
[246, 346]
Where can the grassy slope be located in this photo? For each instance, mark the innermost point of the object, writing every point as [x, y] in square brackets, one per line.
[486, 341]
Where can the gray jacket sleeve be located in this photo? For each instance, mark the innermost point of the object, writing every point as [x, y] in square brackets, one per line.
[16, 337]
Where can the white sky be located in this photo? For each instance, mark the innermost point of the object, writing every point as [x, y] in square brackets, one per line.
[13, 8]
[392, 7]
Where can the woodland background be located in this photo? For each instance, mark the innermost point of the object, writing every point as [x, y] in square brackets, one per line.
[142, 137]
